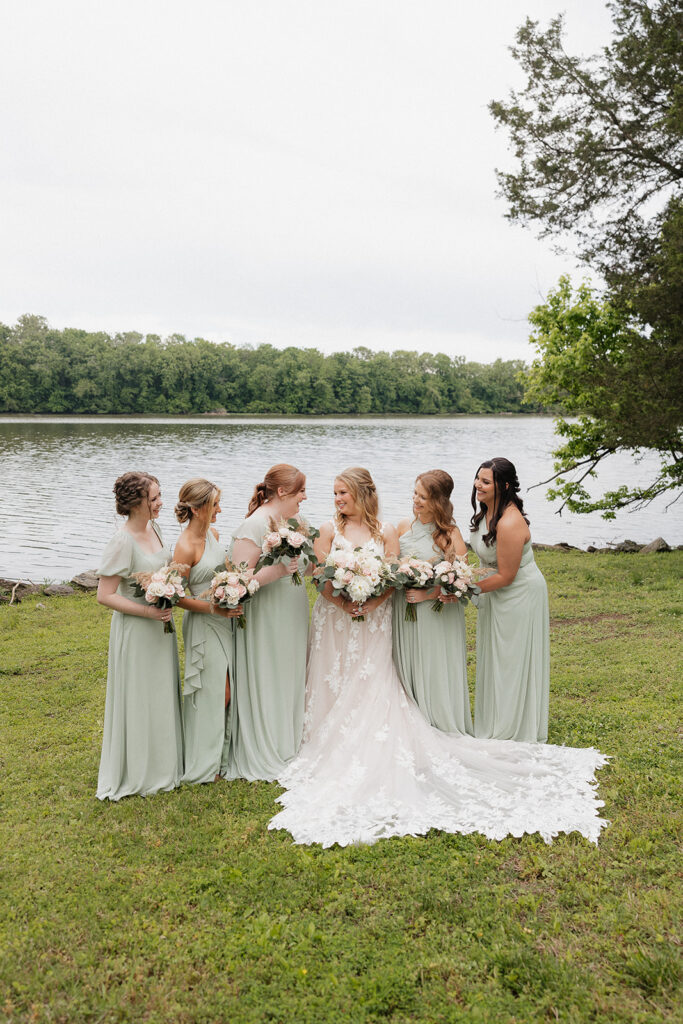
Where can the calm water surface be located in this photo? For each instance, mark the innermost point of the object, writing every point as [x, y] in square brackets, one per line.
[57, 508]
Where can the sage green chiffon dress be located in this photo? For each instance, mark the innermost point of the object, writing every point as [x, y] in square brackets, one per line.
[269, 678]
[513, 652]
[142, 744]
[209, 654]
[430, 655]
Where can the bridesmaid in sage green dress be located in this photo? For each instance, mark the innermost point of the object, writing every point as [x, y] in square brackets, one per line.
[430, 655]
[142, 745]
[513, 628]
[269, 678]
[207, 632]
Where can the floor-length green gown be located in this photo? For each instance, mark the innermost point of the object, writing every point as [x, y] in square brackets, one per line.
[209, 655]
[430, 655]
[142, 744]
[269, 677]
[513, 652]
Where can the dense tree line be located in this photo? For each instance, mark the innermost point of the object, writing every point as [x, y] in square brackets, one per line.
[43, 370]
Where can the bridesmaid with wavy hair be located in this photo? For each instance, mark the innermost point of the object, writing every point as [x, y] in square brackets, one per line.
[430, 655]
[207, 632]
[142, 745]
[513, 628]
[269, 678]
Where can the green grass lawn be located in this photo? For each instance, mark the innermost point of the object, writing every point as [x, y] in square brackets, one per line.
[183, 908]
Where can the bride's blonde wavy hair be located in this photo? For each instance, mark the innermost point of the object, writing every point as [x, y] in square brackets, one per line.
[364, 493]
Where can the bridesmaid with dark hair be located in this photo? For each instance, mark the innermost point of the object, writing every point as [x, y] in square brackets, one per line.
[430, 655]
[269, 678]
[513, 627]
[142, 745]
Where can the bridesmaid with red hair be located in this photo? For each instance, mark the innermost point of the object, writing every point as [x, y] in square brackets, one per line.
[269, 676]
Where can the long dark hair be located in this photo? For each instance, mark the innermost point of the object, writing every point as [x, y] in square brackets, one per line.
[506, 490]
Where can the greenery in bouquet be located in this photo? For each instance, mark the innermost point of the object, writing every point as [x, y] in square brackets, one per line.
[289, 538]
[457, 578]
[162, 588]
[232, 587]
[413, 574]
[356, 575]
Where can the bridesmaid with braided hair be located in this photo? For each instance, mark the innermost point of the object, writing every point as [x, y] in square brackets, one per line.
[142, 744]
[269, 675]
[513, 628]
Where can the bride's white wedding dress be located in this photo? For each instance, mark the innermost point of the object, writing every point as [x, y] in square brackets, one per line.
[371, 766]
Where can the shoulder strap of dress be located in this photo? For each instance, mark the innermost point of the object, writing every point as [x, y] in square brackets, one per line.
[157, 530]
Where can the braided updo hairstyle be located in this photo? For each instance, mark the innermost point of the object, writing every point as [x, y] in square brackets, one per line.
[363, 491]
[506, 489]
[196, 494]
[130, 490]
[439, 486]
[282, 475]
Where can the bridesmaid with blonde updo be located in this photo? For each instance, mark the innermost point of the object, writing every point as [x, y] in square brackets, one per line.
[430, 655]
[269, 677]
[207, 632]
[142, 745]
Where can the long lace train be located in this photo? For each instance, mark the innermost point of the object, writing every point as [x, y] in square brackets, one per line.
[372, 767]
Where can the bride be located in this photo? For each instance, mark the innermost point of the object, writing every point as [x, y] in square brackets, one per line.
[371, 766]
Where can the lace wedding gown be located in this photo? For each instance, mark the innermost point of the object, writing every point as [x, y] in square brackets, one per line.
[371, 766]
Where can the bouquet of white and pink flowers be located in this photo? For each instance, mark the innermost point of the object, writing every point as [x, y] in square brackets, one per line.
[231, 587]
[355, 575]
[288, 539]
[459, 578]
[162, 588]
[413, 574]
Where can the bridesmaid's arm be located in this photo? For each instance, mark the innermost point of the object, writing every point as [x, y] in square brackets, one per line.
[106, 595]
[244, 550]
[511, 535]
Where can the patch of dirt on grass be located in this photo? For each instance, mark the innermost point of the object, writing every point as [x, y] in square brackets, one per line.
[590, 619]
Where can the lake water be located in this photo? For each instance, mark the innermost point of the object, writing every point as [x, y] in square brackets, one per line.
[57, 508]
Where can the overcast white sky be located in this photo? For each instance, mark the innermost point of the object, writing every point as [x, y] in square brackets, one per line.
[308, 172]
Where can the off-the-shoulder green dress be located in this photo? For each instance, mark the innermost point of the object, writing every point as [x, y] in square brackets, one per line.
[269, 677]
[142, 744]
[209, 654]
[430, 655]
[513, 652]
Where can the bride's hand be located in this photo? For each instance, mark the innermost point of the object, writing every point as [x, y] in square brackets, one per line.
[351, 607]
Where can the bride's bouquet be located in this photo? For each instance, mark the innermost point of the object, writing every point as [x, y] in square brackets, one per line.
[355, 575]
[162, 588]
[231, 587]
[288, 539]
[457, 577]
[413, 574]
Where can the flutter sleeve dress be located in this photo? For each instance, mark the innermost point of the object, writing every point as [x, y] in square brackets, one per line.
[142, 744]
[513, 652]
[209, 654]
[269, 678]
[430, 655]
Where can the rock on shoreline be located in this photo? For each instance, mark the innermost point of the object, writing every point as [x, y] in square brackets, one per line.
[13, 591]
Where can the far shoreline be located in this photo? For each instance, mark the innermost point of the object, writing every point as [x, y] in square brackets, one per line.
[218, 416]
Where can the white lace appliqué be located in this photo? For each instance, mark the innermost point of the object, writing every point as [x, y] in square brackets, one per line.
[372, 767]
